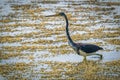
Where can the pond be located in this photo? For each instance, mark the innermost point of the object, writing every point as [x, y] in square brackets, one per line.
[35, 47]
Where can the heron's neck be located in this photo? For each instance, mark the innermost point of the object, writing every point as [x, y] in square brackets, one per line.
[67, 30]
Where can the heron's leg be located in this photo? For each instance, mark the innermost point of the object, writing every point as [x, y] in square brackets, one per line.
[84, 58]
[77, 51]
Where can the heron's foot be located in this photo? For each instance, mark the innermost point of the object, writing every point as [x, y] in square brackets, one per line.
[100, 56]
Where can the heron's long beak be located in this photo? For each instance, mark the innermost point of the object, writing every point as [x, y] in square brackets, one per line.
[52, 15]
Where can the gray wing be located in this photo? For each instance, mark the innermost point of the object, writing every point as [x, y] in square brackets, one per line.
[89, 48]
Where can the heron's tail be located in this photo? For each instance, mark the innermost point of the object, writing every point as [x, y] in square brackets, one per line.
[101, 48]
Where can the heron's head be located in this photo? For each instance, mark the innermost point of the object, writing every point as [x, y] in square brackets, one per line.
[58, 14]
[61, 13]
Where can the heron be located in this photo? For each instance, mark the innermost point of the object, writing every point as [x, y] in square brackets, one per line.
[83, 49]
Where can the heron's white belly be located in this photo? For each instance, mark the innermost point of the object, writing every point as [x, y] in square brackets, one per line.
[82, 53]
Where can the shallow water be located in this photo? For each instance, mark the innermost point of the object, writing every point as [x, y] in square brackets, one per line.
[37, 48]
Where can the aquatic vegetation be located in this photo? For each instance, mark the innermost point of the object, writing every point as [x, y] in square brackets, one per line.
[21, 7]
[9, 55]
[10, 39]
[15, 68]
[30, 43]
[114, 41]
[5, 20]
[117, 16]
[23, 48]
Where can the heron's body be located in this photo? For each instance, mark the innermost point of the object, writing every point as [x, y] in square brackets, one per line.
[87, 49]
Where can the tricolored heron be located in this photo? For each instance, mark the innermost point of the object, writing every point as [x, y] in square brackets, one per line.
[85, 48]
